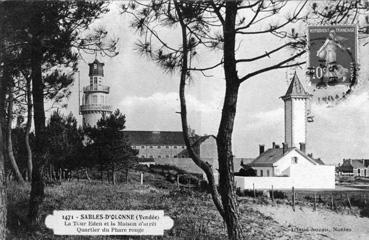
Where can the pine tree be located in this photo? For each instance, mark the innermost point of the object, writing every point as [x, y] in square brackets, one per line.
[111, 144]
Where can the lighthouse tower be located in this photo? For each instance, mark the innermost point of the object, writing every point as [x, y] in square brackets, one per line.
[295, 114]
[95, 96]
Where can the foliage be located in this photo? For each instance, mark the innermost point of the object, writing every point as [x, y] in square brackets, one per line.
[246, 171]
[59, 30]
[64, 141]
[109, 143]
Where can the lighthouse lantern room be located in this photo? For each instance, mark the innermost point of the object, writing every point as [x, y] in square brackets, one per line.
[95, 96]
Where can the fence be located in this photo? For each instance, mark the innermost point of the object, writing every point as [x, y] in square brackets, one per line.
[355, 201]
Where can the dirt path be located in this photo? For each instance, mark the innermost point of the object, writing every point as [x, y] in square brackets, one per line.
[322, 222]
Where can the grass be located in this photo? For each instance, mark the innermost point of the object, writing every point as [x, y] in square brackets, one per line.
[194, 214]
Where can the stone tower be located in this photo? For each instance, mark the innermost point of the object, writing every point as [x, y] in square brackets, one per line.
[295, 114]
[95, 96]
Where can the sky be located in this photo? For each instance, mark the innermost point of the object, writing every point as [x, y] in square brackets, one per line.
[148, 97]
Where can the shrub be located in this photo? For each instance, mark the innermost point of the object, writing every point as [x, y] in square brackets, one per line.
[364, 212]
[246, 172]
[250, 193]
[278, 195]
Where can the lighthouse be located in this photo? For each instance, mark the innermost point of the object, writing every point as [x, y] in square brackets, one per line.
[95, 96]
[295, 114]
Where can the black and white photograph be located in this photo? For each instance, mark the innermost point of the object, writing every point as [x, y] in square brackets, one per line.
[184, 119]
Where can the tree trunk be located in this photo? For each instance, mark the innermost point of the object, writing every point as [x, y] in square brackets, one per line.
[3, 210]
[207, 168]
[224, 137]
[17, 173]
[28, 128]
[37, 186]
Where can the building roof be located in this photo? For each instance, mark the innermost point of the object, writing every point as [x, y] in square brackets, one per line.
[273, 155]
[296, 89]
[155, 137]
[349, 164]
[319, 161]
[357, 164]
[269, 157]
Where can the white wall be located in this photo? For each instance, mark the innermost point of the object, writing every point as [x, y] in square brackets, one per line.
[319, 176]
[295, 121]
[91, 118]
[288, 122]
[302, 177]
[282, 167]
[208, 148]
[298, 122]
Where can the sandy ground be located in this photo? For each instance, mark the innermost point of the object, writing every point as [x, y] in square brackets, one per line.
[322, 222]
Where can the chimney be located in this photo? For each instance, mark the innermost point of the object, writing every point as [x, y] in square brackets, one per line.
[273, 145]
[261, 148]
[285, 147]
[303, 147]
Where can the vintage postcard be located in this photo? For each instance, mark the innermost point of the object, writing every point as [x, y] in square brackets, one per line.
[173, 119]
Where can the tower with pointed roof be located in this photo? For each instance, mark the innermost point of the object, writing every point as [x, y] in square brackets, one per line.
[95, 96]
[295, 113]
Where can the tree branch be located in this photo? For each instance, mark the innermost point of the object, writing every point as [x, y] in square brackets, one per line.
[206, 167]
[206, 68]
[276, 66]
[217, 12]
[266, 54]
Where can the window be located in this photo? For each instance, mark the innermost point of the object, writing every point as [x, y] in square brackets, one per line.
[142, 146]
[143, 156]
[175, 147]
[358, 171]
[159, 147]
[261, 173]
[150, 146]
[166, 146]
[101, 99]
[95, 80]
[167, 156]
[183, 147]
[94, 99]
[268, 174]
[95, 66]
[159, 156]
[294, 160]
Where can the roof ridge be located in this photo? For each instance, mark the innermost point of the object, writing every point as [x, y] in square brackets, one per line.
[295, 88]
